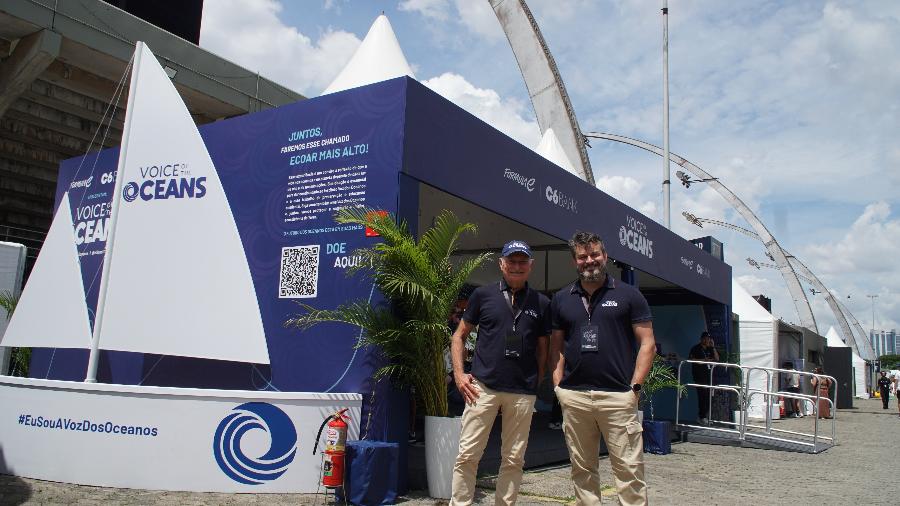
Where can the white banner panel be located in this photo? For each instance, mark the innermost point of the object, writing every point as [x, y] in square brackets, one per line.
[165, 438]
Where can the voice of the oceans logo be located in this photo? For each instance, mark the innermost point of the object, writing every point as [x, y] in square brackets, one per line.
[252, 469]
[634, 235]
[165, 181]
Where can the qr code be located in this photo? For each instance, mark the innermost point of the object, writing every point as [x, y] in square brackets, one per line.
[299, 277]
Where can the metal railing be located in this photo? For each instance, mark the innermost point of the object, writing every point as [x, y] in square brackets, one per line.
[742, 428]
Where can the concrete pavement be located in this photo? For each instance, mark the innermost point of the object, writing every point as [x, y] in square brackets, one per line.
[860, 469]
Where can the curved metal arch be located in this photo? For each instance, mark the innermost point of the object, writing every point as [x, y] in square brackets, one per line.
[839, 314]
[545, 86]
[801, 302]
[807, 274]
[859, 328]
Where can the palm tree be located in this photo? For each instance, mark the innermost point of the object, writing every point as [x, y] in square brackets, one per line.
[659, 377]
[422, 284]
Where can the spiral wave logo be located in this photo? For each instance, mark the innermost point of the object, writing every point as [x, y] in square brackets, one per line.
[251, 469]
[130, 192]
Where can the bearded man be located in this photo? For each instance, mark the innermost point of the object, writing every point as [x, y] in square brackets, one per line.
[599, 325]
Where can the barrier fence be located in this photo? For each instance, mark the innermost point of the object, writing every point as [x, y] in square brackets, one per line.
[741, 429]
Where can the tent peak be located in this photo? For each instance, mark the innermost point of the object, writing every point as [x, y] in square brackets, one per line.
[551, 149]
[378, 58]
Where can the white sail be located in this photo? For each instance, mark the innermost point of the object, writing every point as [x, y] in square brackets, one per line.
[177, 282]
[51, 311]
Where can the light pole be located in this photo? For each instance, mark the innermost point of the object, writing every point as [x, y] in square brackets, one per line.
[873, 297]
[666, 183]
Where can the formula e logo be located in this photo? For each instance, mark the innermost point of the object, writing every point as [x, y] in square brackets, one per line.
[527, 182]
[83, 183]
[269, 464]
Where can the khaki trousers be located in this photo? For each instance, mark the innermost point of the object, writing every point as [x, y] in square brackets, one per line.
[477, 421]
[587, 415]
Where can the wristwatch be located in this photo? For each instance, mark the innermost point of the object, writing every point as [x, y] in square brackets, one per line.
[636, 387]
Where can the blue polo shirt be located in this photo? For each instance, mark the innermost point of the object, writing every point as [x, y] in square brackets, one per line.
[490, 310]
[614, 308]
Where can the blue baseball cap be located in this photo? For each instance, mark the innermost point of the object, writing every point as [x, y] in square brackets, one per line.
[515, 247]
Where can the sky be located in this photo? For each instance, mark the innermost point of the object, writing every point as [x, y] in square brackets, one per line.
[792, 105]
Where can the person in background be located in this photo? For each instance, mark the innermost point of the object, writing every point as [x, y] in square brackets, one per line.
[706, 351]
[821, 385]
[884, 388]
[791, 383]
[897, 390]
[509, 363]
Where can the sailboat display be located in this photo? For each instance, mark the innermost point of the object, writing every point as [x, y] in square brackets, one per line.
[175, 281]
[175, 277]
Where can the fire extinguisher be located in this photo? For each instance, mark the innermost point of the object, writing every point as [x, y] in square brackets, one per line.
[335, 444]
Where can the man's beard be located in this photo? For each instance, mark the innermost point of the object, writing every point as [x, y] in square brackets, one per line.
[593, 273]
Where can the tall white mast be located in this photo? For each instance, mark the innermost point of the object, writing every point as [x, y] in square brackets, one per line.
[94, 358]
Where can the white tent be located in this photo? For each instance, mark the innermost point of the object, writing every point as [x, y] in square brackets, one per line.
[378, 58]
[758, 332]
[859, 365]
[551, 149]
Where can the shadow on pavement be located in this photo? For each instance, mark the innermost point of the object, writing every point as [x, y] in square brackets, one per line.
[13, 490]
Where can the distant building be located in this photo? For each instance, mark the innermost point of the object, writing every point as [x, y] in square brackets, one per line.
[884, 342]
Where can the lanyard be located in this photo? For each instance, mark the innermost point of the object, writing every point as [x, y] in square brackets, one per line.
[508, 297]
[587, 304]
[587, 307]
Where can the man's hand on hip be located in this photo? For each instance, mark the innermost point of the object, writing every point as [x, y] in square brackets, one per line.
[466, 386]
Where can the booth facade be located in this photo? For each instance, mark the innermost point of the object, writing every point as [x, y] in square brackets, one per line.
[396, 147]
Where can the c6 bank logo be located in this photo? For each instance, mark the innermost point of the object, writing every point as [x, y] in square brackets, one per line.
[560, 199]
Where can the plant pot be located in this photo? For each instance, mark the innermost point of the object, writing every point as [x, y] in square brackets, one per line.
[441, 448]
[656, 437]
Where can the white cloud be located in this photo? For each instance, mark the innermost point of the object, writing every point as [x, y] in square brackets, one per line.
[476, 16]
[627, 190]
[507, 115]
[251, 34]
[479, 18]
[870, 245]
[433, 9]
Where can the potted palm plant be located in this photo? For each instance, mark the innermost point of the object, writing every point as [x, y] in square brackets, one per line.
[656, 433]
[421, 281]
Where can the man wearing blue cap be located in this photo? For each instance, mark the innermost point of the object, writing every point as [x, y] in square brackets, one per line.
[510, 353]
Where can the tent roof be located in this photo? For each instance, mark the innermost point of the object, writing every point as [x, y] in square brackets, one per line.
[833, 339]
[746, 306]
[378, 58]
[551, 149]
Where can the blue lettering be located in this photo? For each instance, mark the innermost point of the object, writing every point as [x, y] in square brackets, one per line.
[144, 191]
[172, 189]
[201, 190]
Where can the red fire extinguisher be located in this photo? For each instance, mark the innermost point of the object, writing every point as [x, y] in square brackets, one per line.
[335, 444]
